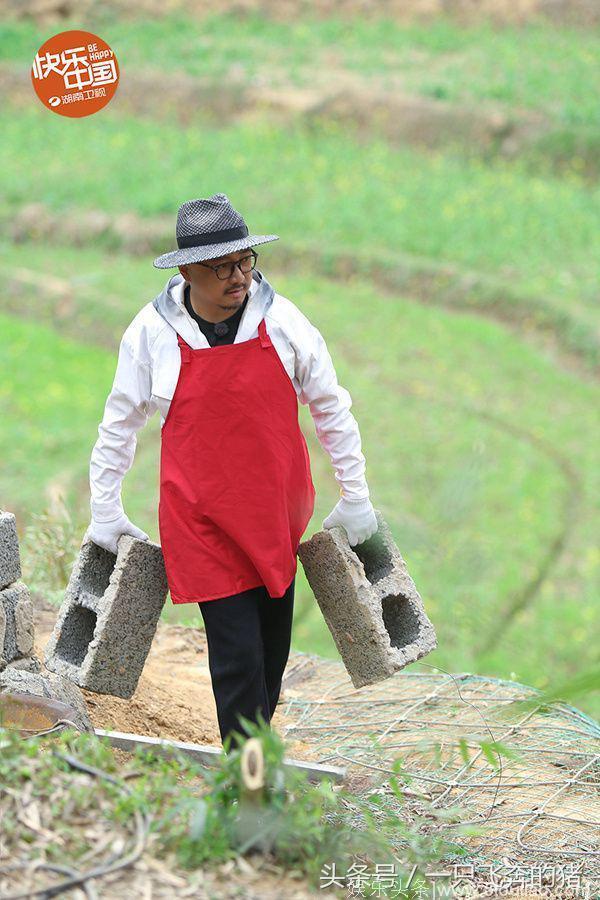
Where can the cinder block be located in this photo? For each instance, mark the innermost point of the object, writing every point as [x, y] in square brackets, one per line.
[369, 602]
[10, 563]
[108, 619]
[16, 623]
[24, 625]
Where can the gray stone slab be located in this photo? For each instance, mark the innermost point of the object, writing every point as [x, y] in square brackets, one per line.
[16, 623]
[10, 562]
[50, 686]
[369, 602]
[25, 664]
[108, 618]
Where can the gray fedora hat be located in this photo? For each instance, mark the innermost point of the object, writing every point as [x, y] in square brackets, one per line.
[209, 228]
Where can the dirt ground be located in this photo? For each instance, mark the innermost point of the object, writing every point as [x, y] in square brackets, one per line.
[174, 700]
[174, 697]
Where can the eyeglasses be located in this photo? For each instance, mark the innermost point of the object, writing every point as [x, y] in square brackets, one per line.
[225, 270]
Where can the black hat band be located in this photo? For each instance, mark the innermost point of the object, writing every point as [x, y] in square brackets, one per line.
[212, 237]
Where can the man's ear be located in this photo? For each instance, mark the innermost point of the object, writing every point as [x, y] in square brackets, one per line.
[183, 270]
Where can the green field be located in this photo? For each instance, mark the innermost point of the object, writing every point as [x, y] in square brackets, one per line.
[551, 70]
[480, 433]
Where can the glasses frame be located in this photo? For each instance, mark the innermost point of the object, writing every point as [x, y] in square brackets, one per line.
[221, 266]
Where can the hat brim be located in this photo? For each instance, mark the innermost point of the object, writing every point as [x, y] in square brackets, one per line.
[210, 251]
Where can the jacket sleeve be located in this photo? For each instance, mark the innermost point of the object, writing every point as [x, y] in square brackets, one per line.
[329, 403]
[127, 409]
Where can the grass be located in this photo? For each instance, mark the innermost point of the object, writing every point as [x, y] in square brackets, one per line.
[197, 818]
[493, 218]
[537, 66]
[46, 397]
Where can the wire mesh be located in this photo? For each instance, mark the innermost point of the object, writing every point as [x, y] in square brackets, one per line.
[541, 807]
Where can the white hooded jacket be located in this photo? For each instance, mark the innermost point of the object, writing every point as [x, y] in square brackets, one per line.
[148, 370]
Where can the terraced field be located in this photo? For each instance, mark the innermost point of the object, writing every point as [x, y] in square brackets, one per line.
[435, 191]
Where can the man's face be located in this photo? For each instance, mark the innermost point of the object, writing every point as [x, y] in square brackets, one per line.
[210, 291]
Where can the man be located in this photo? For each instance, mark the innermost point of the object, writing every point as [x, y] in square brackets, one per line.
[225, 359]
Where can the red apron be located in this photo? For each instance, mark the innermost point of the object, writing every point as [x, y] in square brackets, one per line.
[236, 491]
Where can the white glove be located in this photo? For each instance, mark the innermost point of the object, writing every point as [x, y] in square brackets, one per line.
[107, 534]
[357, 517]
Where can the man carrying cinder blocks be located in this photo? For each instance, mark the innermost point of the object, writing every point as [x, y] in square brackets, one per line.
[225, 359]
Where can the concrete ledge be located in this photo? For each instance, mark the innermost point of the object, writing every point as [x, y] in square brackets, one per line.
[207, 755]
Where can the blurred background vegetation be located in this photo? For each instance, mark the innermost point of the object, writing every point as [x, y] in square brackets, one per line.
[434, 182]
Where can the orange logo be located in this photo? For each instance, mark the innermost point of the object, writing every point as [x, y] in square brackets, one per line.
[75, 73]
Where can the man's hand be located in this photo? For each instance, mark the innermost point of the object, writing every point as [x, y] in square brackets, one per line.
[107, 534]
[357, 517]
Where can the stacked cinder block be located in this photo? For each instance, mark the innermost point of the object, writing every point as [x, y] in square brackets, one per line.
[20, 669]
[369, 602]
[16, 608]
[108, 619]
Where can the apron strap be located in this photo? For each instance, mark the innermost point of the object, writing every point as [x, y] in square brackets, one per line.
[186, 350]
[265, 340]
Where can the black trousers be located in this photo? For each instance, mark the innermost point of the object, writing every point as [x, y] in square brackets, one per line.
[248, 636]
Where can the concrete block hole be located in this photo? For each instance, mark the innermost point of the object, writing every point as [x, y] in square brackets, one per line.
[375, 557]
[76, 634]
[400, 620]
[95, 577]
[399, 616]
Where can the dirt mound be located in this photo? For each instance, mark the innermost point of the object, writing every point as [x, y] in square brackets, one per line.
[174, 697]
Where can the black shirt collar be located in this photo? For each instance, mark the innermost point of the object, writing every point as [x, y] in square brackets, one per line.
[208, 328]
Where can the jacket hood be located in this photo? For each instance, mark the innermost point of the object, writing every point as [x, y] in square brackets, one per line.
[170, 304]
